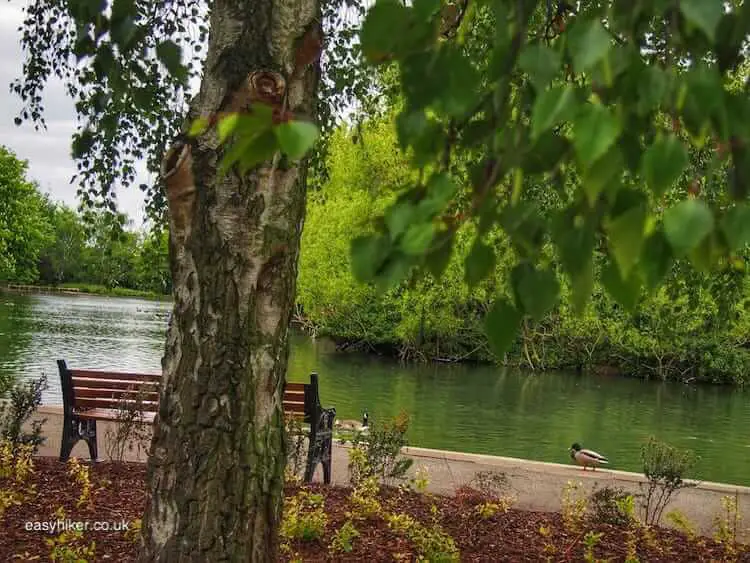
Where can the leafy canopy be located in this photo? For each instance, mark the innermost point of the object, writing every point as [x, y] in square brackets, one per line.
[611, 97]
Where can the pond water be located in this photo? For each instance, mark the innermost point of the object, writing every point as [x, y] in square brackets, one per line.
[479, 409]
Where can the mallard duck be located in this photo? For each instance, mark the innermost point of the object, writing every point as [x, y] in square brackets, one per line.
[353, 425]
[586, 458]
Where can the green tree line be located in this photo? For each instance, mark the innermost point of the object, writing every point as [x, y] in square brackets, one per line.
[694, 327]
[48, 243]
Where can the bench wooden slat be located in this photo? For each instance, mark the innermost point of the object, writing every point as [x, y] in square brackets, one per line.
[294, 407]
[82, 402]
[92, 374]
[111, 414]
[295, 387]
[86, 392]
[115, 384]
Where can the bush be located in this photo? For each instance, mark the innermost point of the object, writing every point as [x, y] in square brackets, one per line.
[304, 517]
[378, 452]
[606, 506]
[665, 467]
[25, 398]
[129, 431]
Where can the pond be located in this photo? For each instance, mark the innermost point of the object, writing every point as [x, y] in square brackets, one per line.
[479, 409]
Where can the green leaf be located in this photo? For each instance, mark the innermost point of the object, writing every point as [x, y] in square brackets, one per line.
[574, 235]
[479, 263]
[626, 234]
[170, 55]
[384, 28]
[582, 282]
[198, 127]
[595, 130]
[501, 324]
[439, 256]
[524, 227]
[703, 14]
[663, 163]
[736, 226]
[551, 107]
[589, 44]
[226, 126]
[417, 238]
[536, 291]
[687, 224]
[651, 89]
[394, 271]
[296, 138]
[656, 259]
[545, 154]
[541, 64]
[626, 291]
[368, 252]
[398, 217]
[249, 151]
[604, 173]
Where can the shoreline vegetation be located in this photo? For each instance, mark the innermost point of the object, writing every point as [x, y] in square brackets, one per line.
[84, 289]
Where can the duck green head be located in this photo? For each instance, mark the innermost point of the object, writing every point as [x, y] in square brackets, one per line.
[576, 447]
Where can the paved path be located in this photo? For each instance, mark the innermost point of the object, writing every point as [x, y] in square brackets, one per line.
[537, 485]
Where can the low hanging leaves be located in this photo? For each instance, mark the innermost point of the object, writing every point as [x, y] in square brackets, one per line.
[687, 224]
[296, 138]
[663, 163]
[501, 325]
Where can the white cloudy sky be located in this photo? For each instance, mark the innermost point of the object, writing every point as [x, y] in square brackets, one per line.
[48, 152]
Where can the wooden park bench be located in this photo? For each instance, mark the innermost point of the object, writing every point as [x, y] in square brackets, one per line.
[91, 395]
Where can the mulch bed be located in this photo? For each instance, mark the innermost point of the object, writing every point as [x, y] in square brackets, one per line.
[118, 493]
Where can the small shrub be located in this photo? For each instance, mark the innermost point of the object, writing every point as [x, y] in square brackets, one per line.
[364, 499]
[590, 541]
[133, 533]
[129, 431]
[430, 542]
[665, 467]
[70, 546]
[304, 517]
[727, 523]
[682, 523]
[25, 398]
[80, 473]
[421, 479]
[381, 447]
[607, 506]
[574, 506]
[487, 510]
[342, 540]
[16, 466]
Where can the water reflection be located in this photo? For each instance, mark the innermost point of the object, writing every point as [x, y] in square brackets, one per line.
[479, 409]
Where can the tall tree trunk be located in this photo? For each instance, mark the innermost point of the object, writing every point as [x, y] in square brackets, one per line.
[217, 456]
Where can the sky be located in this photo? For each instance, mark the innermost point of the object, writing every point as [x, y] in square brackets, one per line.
[47, 152]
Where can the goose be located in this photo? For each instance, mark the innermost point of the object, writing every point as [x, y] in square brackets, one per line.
[586, 458]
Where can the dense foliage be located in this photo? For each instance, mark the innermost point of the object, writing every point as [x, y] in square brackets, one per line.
[606, 141]
[694, 326]
[48, 243]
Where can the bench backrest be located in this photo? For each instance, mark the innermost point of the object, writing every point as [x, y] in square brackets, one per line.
[87, 389]
[94, 389]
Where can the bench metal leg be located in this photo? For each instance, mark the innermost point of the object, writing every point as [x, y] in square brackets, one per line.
[327, 462]
[320, 448]
[90, 439]
[69, 438]
[75, 430]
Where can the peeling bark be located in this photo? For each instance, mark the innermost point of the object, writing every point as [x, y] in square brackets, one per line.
[217, 456]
